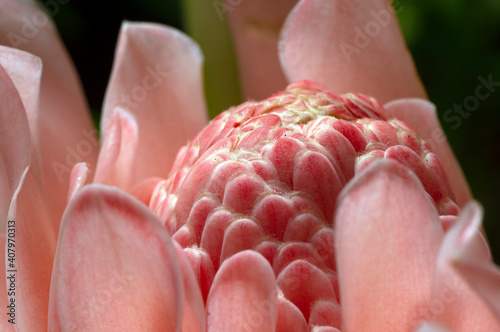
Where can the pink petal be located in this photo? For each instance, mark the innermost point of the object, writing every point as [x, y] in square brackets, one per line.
[15, 144]
[256, 26]
[431, 327]
[61, 104]
[290, 318]
[193, 318]
[421, 116]
[157, 78]
[387, 235]
[464, 253]
[115, 267]
[349, 46]
[25, 71]
[244, 295]
[14, 162]
[115, 165]
[78, 179]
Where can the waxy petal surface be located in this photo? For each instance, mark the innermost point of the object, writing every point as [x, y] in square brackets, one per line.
[349, 46]
[156, 77]
[387, 236]
[115, 165]
[115, 268]
[244, 295]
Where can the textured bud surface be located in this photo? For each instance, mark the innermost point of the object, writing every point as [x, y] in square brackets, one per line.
[266, 175]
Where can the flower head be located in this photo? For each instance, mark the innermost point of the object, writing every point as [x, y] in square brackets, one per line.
[315, 209]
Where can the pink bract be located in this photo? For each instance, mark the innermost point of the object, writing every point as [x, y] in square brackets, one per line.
[315, 209]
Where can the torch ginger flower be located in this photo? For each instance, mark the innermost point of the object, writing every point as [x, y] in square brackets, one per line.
[311, 210]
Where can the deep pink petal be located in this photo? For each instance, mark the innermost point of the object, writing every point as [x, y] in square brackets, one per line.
[115, 267]
[349, 46]
[244, 295]
[115, 165]
[61, 104]
[256, 26]
[156, 77]
[421, 116]
[455, 302]
[388, 234]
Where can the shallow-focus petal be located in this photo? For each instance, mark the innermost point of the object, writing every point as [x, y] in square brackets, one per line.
[115, 267]
[115, 165]
[25, 70]
[431, 327]
[14, 162]
[78, 178]
[193, 319]
[62, 104]
[157, 78]
[421, 116]
[387, 234]
[244, 295]
[455, 303]
[256, 26]
[349, 46]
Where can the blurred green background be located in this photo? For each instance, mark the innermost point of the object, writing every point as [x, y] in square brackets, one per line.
[453, 43]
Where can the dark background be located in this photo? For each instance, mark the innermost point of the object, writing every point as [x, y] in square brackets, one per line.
[453, 43]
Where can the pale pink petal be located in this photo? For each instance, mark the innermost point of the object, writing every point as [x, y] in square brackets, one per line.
[256, 26]
[244, 295]
[455, 302]
[115, 267]
[25, 70]
[64, 129]
[35, 248]
[157, 78]
[431, 327]
[193, 319]
[115, 165]
[14, 162]
[349, 46]
[388, 234]
[78, 179]
[421, 116]
[15, 147]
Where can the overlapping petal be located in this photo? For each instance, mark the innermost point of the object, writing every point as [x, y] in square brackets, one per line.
[115, 267]
[349, 46]
[387, 237]
[156, 78]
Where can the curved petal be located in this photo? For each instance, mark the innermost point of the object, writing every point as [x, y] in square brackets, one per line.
[78, 179]
[388, 234]
[245, 287]
[431, 327]
[157, 78]
[349, 46]
[421, 116]
[455, 302]
[25, 71]
[115, 165]
[115, 267]
[193, 319]
[14, 162]
[256, 26]
[62, 104]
